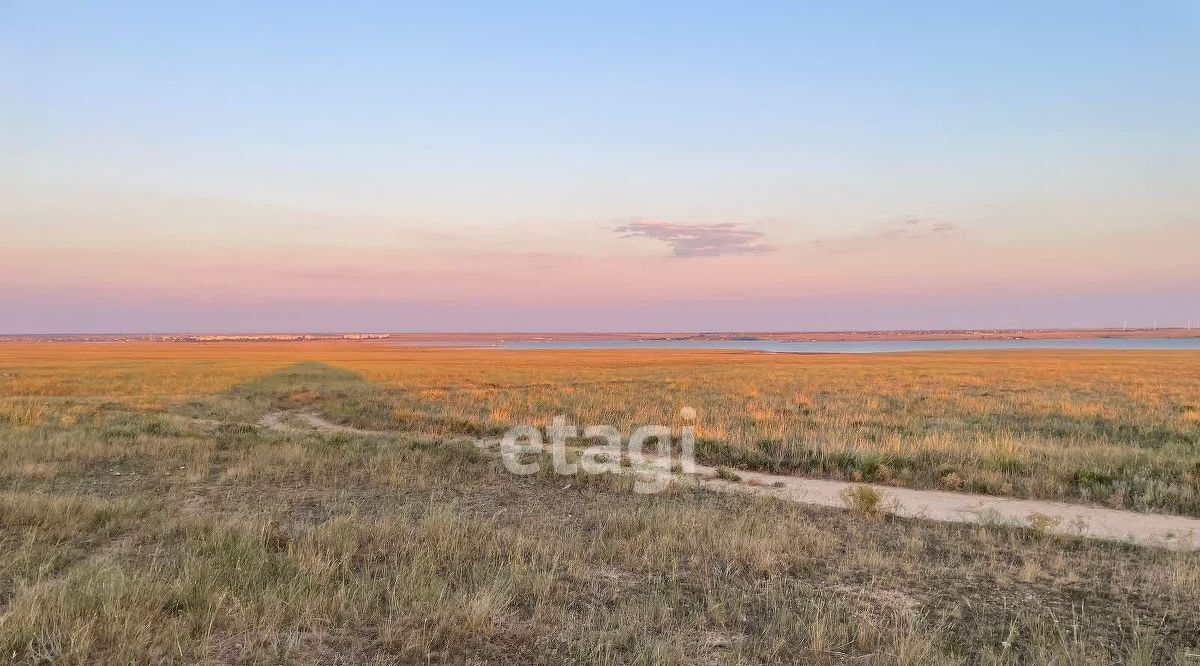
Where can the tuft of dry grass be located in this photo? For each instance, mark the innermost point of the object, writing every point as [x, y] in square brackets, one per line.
[864, 500]
[23, 413]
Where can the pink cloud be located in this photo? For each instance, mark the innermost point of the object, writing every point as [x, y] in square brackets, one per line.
[912, 228]
[700, 240]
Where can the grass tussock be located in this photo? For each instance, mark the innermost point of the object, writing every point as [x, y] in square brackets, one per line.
[865, 501]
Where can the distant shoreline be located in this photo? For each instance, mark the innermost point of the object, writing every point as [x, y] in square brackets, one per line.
[761, 336]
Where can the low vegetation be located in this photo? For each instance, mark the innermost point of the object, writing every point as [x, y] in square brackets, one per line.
[146, 517]
[864, 501]
[1119, 428]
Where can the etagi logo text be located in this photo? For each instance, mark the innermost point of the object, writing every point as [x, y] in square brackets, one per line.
[602, 450]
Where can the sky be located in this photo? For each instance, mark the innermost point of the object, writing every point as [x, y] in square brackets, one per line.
[616, 166]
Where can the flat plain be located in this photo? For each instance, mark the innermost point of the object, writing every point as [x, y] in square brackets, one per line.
[147, 516]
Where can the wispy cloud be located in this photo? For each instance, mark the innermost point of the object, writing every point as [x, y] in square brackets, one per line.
[337, 274]
[912, 228]
[699, 240]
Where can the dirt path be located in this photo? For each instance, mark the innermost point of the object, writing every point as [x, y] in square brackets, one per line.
[304, 422]
[1090, 521]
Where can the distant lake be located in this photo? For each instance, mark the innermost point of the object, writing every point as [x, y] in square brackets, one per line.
[852, 346]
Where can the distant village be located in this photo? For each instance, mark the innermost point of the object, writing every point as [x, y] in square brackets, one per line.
[188, 337]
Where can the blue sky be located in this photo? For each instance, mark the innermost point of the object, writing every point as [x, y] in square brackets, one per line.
[181, 164]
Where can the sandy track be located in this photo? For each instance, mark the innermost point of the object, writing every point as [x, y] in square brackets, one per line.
[280, 421]
[1089, 521]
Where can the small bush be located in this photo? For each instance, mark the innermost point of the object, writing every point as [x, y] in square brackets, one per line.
[952, 481]
[726, 474]
[1040, 524]
[864, 500]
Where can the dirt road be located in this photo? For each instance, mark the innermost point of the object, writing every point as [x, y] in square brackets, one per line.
[1059, 517]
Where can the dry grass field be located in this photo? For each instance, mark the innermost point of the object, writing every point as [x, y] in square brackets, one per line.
[145, 517]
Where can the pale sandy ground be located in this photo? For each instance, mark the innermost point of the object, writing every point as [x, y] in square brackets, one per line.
[1095, 522]
[1091, 521]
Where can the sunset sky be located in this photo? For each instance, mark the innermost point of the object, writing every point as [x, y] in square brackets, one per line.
[251, 167]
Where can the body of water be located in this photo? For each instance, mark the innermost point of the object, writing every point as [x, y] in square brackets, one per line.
[857, 346]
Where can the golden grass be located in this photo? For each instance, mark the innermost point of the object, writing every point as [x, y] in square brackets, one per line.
[1116, 427]
[132, 532]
